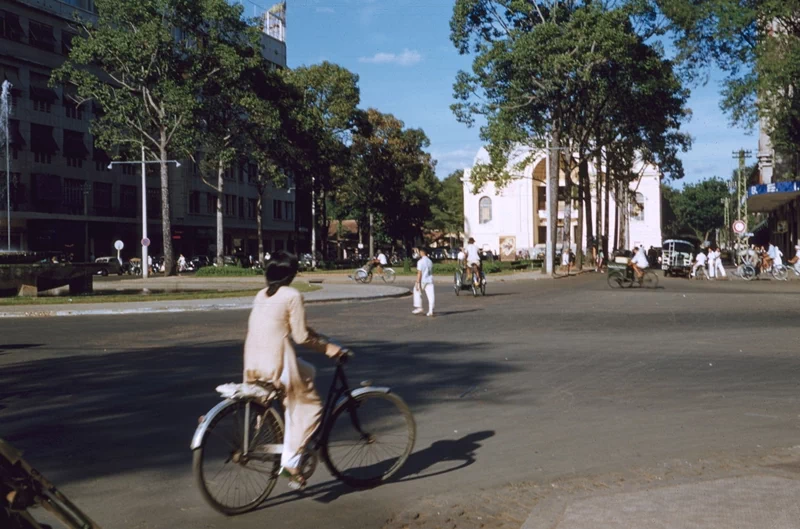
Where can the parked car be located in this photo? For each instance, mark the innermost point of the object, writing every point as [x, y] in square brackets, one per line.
[108, 265]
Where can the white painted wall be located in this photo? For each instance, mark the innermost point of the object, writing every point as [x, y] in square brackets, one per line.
[515, 212]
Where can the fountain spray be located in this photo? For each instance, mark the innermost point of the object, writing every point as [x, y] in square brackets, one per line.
[5, 112]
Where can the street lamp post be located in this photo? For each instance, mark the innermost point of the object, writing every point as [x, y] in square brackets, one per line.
[145, 242]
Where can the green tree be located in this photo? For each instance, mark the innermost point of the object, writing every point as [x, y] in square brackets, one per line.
[538, 70]
[393, 177]
[698, 208]
[147, 64]
[448, 210]
[757, 44]
[330, 97]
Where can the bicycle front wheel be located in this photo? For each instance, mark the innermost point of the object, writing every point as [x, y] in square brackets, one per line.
[780, 272]
[615, 280]
[360, 275]
[370, 437]
[746, 272]
[388, 275]
[650, 280]
[230, 481]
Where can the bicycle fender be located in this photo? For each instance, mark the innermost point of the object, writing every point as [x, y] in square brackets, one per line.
[200, 432]
[361, 391]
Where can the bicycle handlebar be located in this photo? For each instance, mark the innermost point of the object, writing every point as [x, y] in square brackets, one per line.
[345, 355]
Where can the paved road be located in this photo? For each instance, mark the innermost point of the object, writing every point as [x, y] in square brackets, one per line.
[539, 385]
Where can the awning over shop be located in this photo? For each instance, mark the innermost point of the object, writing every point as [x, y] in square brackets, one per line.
[42, 139]
[768, 197]
[12, 76]
[14, 135]
[43, 93]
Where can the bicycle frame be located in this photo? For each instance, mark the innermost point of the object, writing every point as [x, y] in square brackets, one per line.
[339, 394]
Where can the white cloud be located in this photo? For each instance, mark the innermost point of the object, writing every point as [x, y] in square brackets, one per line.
[325, 10]
[407, 58]
[449, 161]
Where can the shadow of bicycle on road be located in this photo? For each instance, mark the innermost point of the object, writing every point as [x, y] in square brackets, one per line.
[461, 450]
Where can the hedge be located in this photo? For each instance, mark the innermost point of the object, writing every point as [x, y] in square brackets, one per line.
[227, 271]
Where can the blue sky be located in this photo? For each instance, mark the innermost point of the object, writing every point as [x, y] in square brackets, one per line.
[402, 52]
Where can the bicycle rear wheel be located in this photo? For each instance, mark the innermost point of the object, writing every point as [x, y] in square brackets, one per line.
[229, 481]
[370, 437]
[388, 275]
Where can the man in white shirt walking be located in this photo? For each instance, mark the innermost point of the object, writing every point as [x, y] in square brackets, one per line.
[424, 282]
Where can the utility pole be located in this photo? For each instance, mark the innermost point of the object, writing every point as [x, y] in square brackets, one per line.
[741, 192]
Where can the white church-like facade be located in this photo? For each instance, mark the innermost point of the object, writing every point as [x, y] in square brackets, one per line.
[513, 218]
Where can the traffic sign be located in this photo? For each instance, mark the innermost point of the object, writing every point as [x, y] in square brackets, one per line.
[119, 245]
[145, 242]
[739, 226]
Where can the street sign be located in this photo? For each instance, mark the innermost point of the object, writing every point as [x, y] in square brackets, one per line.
[119, 245]
[145, 242]
[739, 226]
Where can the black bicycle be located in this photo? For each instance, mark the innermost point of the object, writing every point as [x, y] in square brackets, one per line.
[23, 487]
[365, 436]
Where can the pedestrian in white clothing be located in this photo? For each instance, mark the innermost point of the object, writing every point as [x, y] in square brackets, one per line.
[424, 282]
[712, 263]
[718, 266]
[699, 262]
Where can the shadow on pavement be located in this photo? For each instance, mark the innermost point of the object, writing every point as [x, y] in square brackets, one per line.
[461, 450]
[88, 416]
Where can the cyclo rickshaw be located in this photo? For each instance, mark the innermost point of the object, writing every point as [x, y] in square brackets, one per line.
[676, 258]
[461, 280]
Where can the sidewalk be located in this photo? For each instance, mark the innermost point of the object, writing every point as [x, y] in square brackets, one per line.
[742, 502]
[328, 293]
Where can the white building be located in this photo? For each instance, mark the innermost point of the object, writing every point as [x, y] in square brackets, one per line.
[514, 218]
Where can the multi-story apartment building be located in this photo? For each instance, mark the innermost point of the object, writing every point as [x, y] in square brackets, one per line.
[64, 197]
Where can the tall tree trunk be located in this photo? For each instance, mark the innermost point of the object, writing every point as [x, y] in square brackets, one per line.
[586, 199]
[606, 214]
[166, 223]
[579, 227]
[616, 215]
[323, 236]
[567, 207]
[220, 214]
[552, 198]
[599, 201]
[622, 202]
[260, 227]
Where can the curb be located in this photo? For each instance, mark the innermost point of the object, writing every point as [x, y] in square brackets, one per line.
[220, 304]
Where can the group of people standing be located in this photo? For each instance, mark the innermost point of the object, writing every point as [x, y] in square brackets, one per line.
[711, 261]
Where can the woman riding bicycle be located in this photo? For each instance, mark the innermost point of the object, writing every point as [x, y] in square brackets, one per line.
[278, 320]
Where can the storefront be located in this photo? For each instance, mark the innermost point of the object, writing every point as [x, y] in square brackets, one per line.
[781, 201]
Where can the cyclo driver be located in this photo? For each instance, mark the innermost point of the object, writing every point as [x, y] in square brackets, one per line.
[473, 261]
[379, 261]
[639, 262]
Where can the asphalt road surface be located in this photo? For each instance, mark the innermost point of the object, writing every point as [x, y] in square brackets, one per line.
[536, 384]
